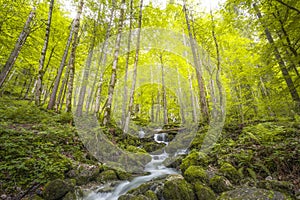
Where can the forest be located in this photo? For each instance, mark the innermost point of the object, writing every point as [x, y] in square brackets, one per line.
[149, 100]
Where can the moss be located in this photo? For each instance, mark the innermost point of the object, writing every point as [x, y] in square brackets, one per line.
[250, 193]
[70, 196]
[281, 186]
[196, 174]
[177, 189]
[107, 176]
[230, 172]
[203, 192]
[194, 158]
[220, 184]
[56, 189]
[151, 195]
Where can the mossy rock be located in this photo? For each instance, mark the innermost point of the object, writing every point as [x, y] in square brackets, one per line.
[230, 172]
[176, 188]
[70, 196]
[250, 193]
[173, 162]
[133, 197]
[36, 197]
[196, 174]
[122, 175]
[281, 186]
[84, 174]
[220, 184]
[151, 195]
[194, 158]
[203, 192]
[57, 189]
[108, 175]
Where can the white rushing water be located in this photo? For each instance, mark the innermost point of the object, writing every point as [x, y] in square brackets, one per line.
[155, 167]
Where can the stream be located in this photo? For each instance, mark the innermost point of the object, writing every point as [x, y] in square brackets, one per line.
[155, 167]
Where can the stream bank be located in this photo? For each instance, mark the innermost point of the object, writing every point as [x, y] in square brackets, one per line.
[43, 158]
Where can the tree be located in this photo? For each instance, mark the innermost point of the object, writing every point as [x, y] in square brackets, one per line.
[52, 100]
[113, 78]
[71, 65]
[43, 56]
[18, 46]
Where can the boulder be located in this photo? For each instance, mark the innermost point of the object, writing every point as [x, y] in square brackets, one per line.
[203, 192]
[220, 184]
[176, 188]
[250, 193]
[57, 189]
[196, 174]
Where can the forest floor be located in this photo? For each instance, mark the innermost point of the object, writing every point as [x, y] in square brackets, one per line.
[39, 148]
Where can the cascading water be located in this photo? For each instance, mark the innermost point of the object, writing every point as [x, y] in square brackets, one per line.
[155, 167]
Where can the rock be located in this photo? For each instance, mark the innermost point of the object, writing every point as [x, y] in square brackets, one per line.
[203, 192]
[133, 197]
[84, 174]
[173, 162]
[36, 197]
[230, 172]
[108, 175]
[57, 189]
[220, 184]
[281, 186]
[176, 188]
[151, 195]
[194, 158]
[70, 196]
[196, 174]
[250, 193]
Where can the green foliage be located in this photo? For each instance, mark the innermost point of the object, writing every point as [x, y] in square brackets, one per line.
[35, 147]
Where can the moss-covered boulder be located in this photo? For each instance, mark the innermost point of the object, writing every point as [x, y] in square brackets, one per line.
[281, 186]
[250, 193]
[196, 174]
[230, 172]
[70, 196]
[57, 189]
[194, 158]
[151, 195]
[84, 174]
[220, 184]
[108, 175]
[203, 192]
[176, 188]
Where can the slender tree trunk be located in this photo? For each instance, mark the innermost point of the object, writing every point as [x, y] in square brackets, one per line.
[182, 108]
[136, 59]
[52, 100]
[283, 68]
[72, 58]
[164, 92]
[203, 100]
[61, 91]
[113, 78]
[18, 46]
[86, 75]
[102, 61]
[43, 57]
[221, 110]
[125, 95]
[194, 113]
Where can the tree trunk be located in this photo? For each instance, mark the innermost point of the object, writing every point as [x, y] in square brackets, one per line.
[203, 101]
[136, 59]
[72, 58]
[164, 92]
[85, 78]
[113, 78]
[281, 63]
[41, 72]
[125, 95]
[52, 100]
[18, 46]
[102, 61]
